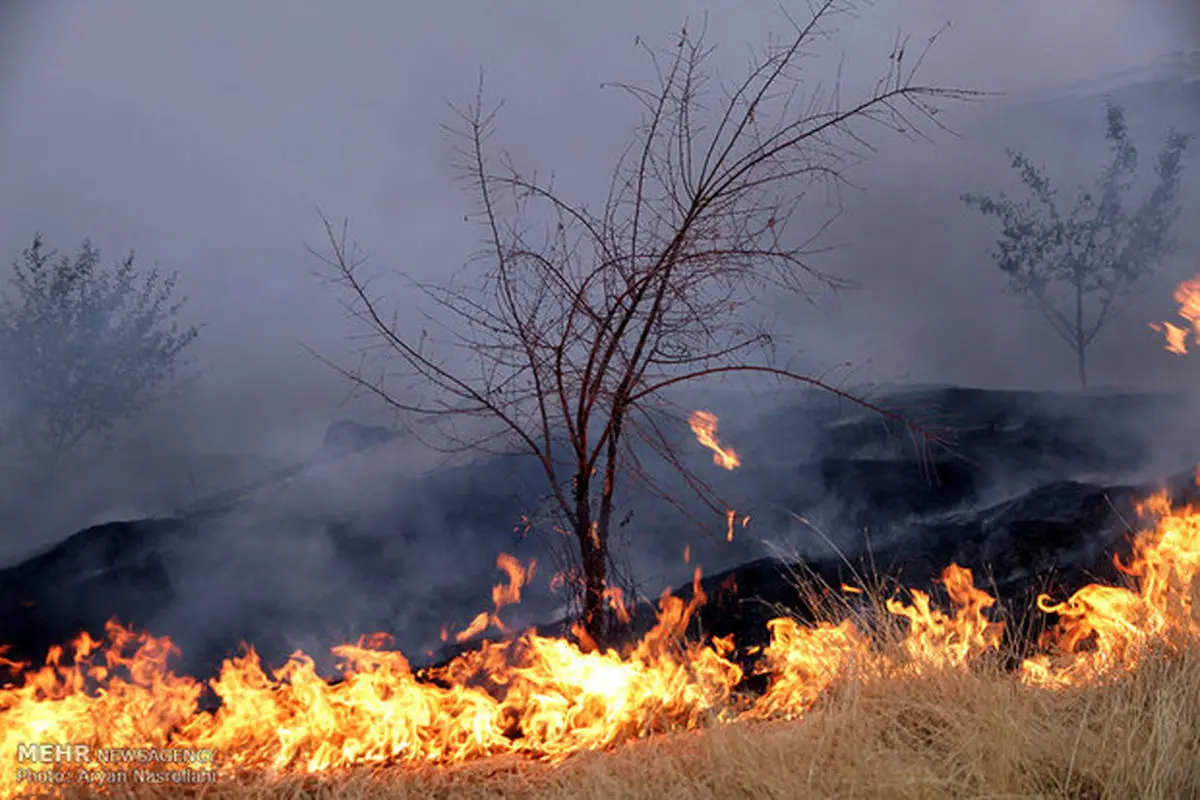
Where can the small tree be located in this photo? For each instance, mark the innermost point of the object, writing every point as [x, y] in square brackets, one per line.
[1078, 264]
[82, 346]
[572, 322]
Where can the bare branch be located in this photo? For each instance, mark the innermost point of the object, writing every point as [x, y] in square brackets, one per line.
[569, 322]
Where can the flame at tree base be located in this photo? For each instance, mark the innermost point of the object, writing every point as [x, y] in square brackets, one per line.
[951, 733]
[544, 698]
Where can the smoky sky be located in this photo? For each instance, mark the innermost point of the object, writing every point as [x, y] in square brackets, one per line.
[203, 136]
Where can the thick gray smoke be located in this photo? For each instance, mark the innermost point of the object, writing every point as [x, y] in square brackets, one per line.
[204, 135]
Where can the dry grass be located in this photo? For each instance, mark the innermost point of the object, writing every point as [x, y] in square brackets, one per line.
[887, 731]
[950, 735]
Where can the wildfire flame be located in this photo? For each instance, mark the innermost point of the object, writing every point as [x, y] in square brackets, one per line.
[503, 594]
[941, 640]
[1187, 294]
[1103, 629]
[704, 425]
[547, 697]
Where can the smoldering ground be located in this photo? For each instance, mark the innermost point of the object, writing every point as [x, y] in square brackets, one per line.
[203, 138]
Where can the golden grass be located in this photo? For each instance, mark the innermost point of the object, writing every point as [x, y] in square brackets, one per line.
[977, 734]
[885, 731]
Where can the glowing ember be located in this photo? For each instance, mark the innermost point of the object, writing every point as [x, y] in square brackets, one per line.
[730, 520]
[704, 425]
[1188, 297]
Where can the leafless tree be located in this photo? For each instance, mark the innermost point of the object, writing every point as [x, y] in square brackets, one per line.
[571, 324]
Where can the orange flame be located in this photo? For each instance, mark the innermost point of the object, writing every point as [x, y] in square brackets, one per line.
[503, 594]
[704, 425]
[730, 518]
[941, 640]
[1103, 629]
[804, 662]
[547, 697]
[1187, 294]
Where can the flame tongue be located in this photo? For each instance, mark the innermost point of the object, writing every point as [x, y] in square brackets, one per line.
[546, 697]
[704, 425]
[943, 640]
[1103, 630]
[1187, 294]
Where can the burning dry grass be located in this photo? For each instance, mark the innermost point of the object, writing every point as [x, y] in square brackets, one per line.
[893, 695]
[948, 734]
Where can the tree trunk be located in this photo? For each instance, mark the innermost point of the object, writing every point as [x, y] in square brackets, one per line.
[593, 559]
[604, 518]
[1080, 344]
[593, 537]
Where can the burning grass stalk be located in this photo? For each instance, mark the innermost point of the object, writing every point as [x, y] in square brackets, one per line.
[900, 694]
[951, 733]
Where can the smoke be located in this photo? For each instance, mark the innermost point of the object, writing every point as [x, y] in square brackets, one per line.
[204, 136]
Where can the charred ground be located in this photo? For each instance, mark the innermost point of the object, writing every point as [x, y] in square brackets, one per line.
[1036, 492]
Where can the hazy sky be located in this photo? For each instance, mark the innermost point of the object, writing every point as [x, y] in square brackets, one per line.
[203, 135]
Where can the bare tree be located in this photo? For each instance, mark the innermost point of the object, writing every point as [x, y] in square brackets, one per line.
[1078, 264]
[569, 327]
